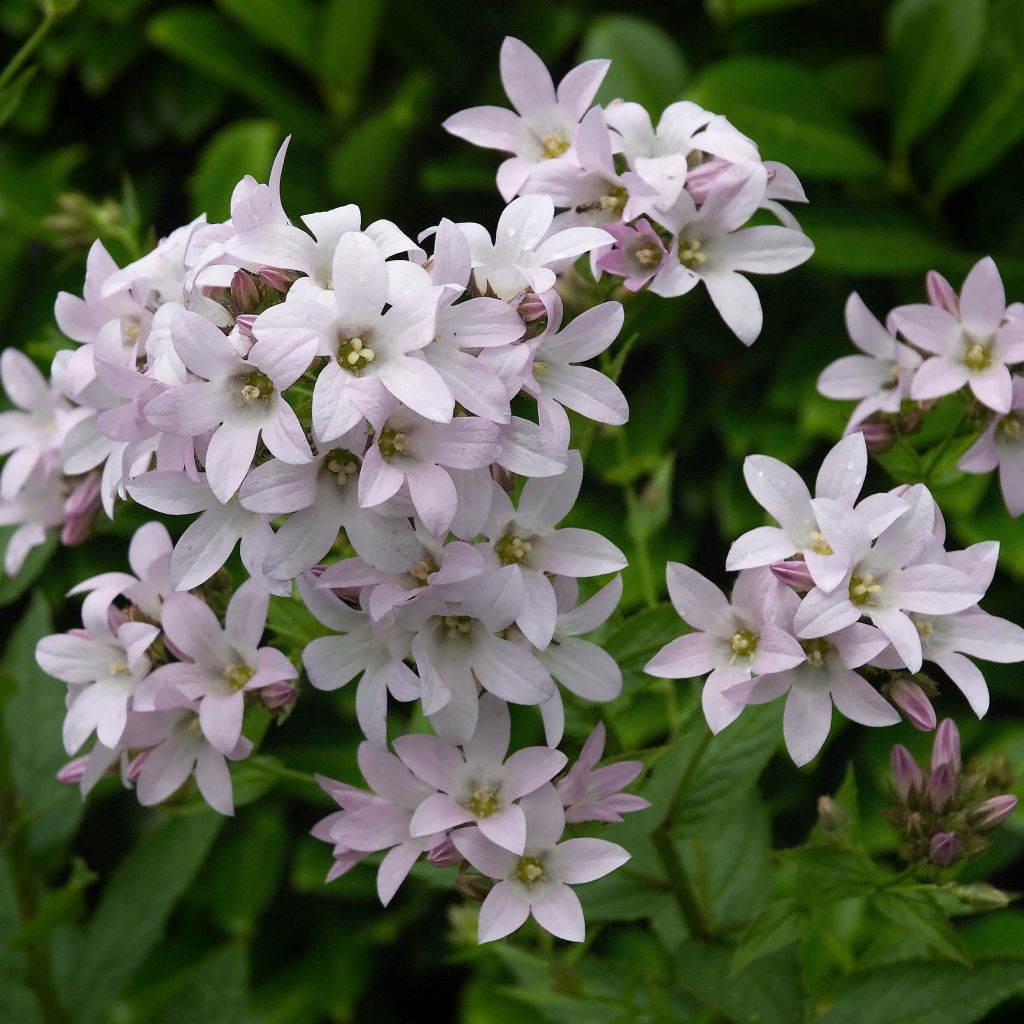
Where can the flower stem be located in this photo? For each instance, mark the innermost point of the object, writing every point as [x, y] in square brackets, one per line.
[694, 913]
[15, 64]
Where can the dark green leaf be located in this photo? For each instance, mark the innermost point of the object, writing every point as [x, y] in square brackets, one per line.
[831, 873]
[916, 911]
[642, 635]
[780, 924]
[347, 44]
[11, 95]
[214, 990]
[294, 35]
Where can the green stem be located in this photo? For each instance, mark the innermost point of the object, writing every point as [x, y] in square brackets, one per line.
[14, 840]
[943, 447]
[29, 47]
[694, 913]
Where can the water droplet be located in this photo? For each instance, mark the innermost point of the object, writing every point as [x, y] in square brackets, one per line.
[511, 232]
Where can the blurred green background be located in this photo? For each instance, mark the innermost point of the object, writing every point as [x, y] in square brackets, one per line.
[132, 116]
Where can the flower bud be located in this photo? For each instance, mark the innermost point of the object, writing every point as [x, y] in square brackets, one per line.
[944, 848]
[279, 280]
[700, 179]
[134, 769]
[941, 294]
[908, 696]
[991, 813]
[531, 307]
[115, 618]
[277, 695]
[879, 435]
[941, 787]
[906, 774]
[946, 748]
[71, 774]
[244, 322]
[830, 815]
[244, 293]
[444, 855]
[981, 896]
[794, 573]
[476, 887]
[80, 510]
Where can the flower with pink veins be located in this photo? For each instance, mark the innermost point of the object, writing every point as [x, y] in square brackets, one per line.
[538, 880]
[524, 547]
[638, 255]
[592, 793]
[544, 124]
[880, 379]
[781, 492]
[710, 245]
[593, 190]
[1001, 447]
[476, 783]
[884, 583]
[524, 248]
[179, 751]
[371, 822]
[374, 651]
[556, 381]
[240, 400]
[207, 543]
[733, 641]
[224, 664]
[975, 348]
[825, 678]
[409, 450]
[320, 499]
[103, 670]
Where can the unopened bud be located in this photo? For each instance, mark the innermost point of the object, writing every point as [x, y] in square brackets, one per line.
[135, 768]
[981, 896]
[944, 848]
[831, 816]
[946, 748]
[476, 887]
[991, 813]
[115, 618]
[879, 435]
[941, 787]
[531, 307]
[908, 696]
[700, 179]
[279, 280]
[794, 573]
[244, 321]
[277, 695]
[80, 510]
[244, 292]
[906, 775]
[941, 294]
[444, 855]
[71, 774]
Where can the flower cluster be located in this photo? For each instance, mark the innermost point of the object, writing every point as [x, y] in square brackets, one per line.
[674, 198]
[160, 681]
[971, 344]
[944, 812]
[502, 815]
[839, 604]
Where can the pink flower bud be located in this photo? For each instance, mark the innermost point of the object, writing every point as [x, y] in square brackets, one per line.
[531, 307]
[80, 510]
[879, 435]
[944, 848]
[279, 280]
[244, 292]
[992, 813]
[794, 573]
[946, 748]
[135, 768]
[941, 294]
[914, 703]
[278, 695]
[700, 179]
[444, 855]
[941, 787]
[71, 774]
[906, 775]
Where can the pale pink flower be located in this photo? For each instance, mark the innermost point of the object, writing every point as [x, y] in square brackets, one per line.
[592, 793]
[638, 255]
[1001, 447]
[538, 881]
[38, 507]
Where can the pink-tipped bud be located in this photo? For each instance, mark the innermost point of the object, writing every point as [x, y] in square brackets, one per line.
[80, 510]
[700, 179]
[941, 787]
[946, 748]
[279, 280]
[992, 813]
[906, 775]
[941, 294]
[135, 768]
[244, 292]
[879, 435]
[71, 774]
[794, 573]
[531, 307]
[444, 855]
[914, 703]
[278, 695]
[944, 848]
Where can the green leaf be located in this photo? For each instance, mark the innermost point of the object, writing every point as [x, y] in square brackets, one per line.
[11, 95]
[764, 993]
[986, 123]
[12, 587]
[58, 906]
[647, 66]
[932, 45]
[732, 10]
[780, 924]
[831, 873]
[205, 41]
[214, 990]
[648, 510]
[925, 993]
[786, 109]
[294, 35]
[134, 908]
[17, 1003]
[642, 635]
[918, 912]
[347, 38]
[244, 147]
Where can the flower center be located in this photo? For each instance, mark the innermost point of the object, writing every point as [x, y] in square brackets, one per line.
[648, 256]
[924, 627]
[236, 676]
[690, 254]
[1009, 426]
[553, 144]
[392, 442]
[743, 644]
[458, 625]
[863, 589]
[539, 368]
[530, 870]
[354, 354]
[483, 801]
[422, 571]
[257, 386]
[819, 545]
[613, 201]
[117, 668]
[816, 651]
[511, 549]
[341, 464]
[977, 356]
